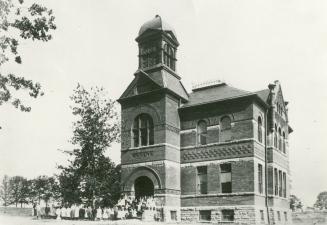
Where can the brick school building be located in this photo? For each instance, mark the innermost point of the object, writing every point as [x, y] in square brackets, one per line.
[216, 154]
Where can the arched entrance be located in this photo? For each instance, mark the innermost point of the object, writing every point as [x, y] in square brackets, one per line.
[143, 186]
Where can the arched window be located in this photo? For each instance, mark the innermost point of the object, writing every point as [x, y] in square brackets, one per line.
[284, 142]
[275, 136]
[202, 132]
[169, 56]
[279, 139]
[259, 129]
[143, 131]
[166, 54]
[226, 126]
[226, 123]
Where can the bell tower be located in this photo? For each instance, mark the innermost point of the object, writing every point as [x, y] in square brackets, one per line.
[157, 45]
[150, 132]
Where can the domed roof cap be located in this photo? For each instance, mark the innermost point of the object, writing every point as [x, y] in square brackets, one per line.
[156, 24]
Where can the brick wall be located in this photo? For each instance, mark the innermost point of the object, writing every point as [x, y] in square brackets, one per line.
[243, 176]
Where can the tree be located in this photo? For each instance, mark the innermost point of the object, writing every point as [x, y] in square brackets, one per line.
[321, 201]
[295, 203]
[91, 174]
[45, 188]
[18, 189]
[19, 22]
[5, 191]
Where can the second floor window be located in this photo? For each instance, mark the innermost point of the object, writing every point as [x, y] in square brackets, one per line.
[143, 131]
[202, 132]
[259, 129]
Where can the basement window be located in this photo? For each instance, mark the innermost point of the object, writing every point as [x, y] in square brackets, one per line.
[227, 215]
[205, 215]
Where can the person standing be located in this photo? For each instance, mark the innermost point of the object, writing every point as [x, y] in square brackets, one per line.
[38, 211]
[58, 213]
[76, 212]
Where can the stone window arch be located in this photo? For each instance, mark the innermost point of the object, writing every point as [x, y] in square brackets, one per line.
[260, 129]
[226, 127]
[143, 131]
[202, 132]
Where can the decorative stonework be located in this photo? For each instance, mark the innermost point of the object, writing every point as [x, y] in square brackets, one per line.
[220, 151]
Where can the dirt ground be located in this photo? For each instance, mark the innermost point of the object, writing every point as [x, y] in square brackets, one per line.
[19, 220]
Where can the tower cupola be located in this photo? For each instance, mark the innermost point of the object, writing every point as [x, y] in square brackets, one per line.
[157, 45]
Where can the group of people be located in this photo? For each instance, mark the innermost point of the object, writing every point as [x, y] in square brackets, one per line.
[73, 212]
[131, 207]
[127, 207]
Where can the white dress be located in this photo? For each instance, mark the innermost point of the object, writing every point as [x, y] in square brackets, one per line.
[76, 212]
[99, 213]
[105, 215]
[58, 213]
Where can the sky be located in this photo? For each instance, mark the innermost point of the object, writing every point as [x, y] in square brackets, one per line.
[248, 44]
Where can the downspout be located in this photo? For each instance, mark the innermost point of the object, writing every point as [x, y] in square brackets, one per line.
[266, 166]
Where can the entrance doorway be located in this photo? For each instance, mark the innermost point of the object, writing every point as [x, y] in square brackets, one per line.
[143, 187]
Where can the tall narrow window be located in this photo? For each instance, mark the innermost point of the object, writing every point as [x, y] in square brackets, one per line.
[169, 56]
[279, 139]
[284, 185]
[276, 181]
[226, 126]
[143, 133]
[260, 179]
[275, 136]
[280, 183]
[284, 143]
[259, 129]
[226, 178]
[202, 132]
[202, 180]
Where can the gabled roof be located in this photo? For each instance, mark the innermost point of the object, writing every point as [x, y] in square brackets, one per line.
[162, 80]
[263, 94]
[174, 84]
[214, 94]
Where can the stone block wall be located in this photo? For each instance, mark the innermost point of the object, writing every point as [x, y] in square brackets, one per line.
[242, 215]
